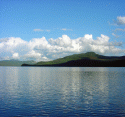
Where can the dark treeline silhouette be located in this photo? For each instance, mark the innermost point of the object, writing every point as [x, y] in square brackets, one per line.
[87, 63]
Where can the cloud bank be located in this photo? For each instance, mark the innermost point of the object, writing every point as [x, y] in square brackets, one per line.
[41, 49]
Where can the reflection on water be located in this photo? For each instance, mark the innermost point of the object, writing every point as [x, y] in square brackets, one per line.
[43, 91]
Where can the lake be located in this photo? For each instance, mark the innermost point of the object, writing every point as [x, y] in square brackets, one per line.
[62, 91]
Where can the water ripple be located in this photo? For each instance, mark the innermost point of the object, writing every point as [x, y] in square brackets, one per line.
[62, 91]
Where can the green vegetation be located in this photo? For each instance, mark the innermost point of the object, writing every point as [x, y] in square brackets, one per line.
[84, 59]
[70, 58]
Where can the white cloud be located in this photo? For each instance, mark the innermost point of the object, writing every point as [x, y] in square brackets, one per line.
[40, 49]
[15, 56]
[37, 30]
[37, 42]
[12, 44]
[61, 41]
[40, 30]
[45, 59]
[65, 29]
[3, 40]
[33, 54]
[116, 36]
[119, 29]
[120, 20]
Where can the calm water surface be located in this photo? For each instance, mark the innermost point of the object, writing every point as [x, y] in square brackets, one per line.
[62, 91]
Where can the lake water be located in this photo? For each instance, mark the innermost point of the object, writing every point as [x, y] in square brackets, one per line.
[62, 91]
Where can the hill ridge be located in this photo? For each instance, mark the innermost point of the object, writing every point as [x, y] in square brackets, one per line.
[84, 59]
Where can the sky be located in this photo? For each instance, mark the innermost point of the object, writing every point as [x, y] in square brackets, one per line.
[44, 30]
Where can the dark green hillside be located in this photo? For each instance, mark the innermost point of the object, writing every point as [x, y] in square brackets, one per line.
[84, 59]
[90, 55]
[15, 62]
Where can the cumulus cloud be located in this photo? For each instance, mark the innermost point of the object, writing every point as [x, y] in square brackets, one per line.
[120, 20]
[3, 40]
[15, 56]
[41, 49]
[12, 45]
[61, 41]
[33, 55]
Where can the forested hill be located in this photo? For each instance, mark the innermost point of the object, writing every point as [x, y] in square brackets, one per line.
[89, 59]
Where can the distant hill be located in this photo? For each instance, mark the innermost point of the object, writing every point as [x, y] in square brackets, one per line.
[15, 62]
[89, 59]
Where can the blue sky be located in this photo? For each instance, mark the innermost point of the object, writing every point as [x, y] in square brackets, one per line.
[28, 19]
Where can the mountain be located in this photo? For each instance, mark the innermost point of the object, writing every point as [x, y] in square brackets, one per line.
[15, 62]
[89, 59]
